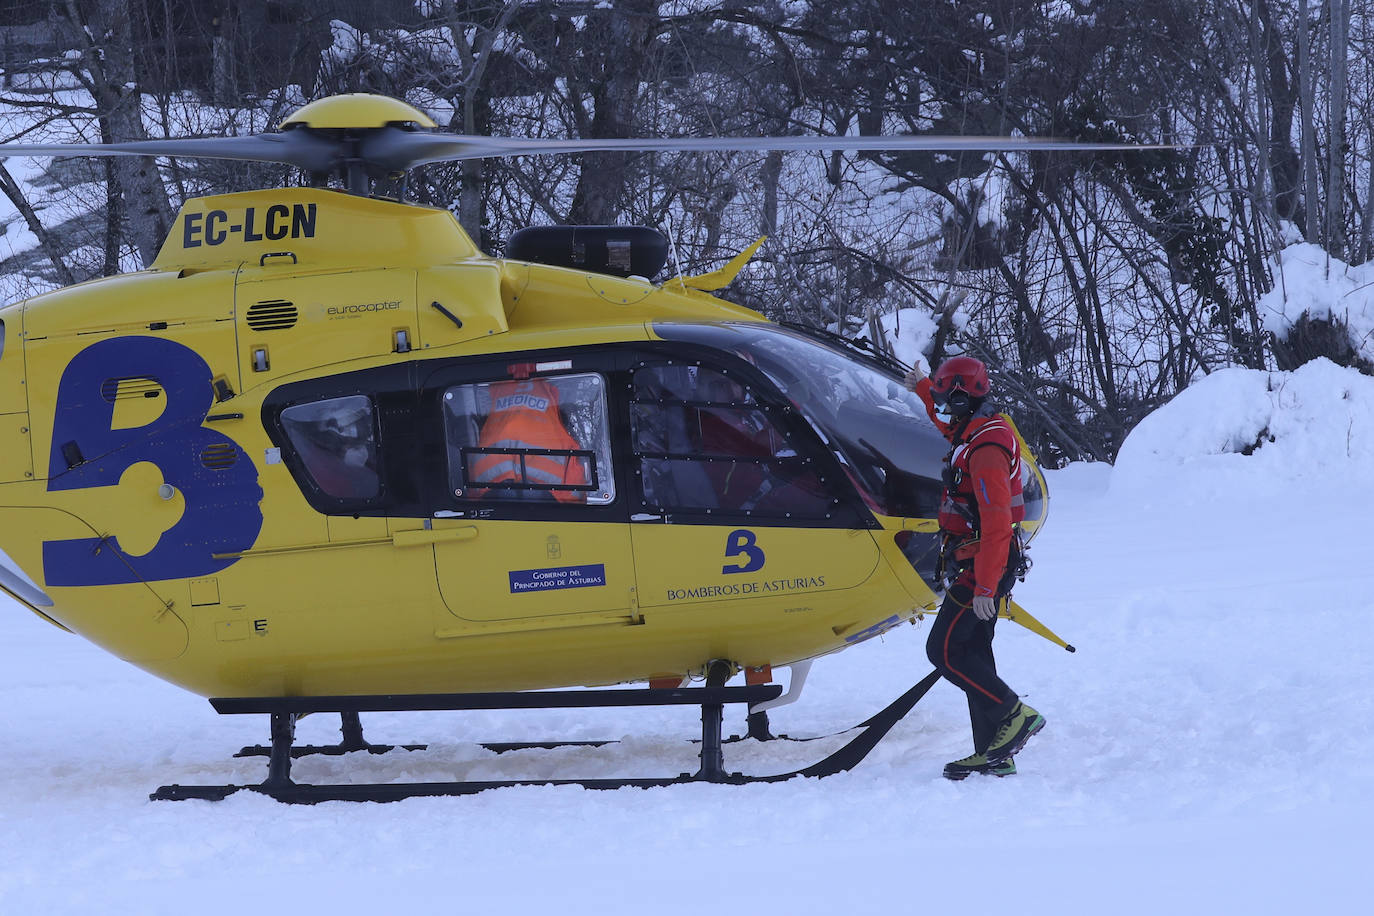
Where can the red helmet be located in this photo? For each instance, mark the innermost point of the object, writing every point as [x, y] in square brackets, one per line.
[961, 373]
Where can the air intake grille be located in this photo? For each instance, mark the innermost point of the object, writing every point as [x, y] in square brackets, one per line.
[272, 315]
[123, 389]
[219, 456]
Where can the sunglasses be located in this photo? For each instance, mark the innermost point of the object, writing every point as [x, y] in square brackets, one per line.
[955, 402]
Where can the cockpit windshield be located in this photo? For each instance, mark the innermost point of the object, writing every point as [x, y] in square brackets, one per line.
[878, 429]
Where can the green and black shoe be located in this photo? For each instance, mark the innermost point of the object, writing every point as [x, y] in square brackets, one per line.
[977, 763]
[1015, 730]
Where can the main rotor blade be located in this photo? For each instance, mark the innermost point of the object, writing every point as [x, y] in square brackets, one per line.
[297, 147]
[399, 149]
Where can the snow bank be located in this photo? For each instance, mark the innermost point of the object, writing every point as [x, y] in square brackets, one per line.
[910, 331]
[1308, 280]
[1207, 731]
[1237, 427]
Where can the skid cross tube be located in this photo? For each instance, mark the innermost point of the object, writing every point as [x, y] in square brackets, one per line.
[351, 739]
[285, 710]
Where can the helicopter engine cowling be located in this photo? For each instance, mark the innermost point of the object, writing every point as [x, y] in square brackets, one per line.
[622, 251]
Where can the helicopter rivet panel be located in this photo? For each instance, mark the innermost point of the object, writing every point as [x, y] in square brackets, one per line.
[457, 304]
[196, 312]
[16, 459]
[13, 398]
[316, 228]
[132, 620]
[593, 575]
[137, 303]
[620, 292]
[290, 323]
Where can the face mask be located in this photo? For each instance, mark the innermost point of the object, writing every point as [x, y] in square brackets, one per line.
[946, 409]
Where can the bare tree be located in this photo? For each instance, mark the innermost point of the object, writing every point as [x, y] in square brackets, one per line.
[473, 115]
[1096, 285]
[1336, 146]
[49, 245]
[103, 31]
[1307, 111]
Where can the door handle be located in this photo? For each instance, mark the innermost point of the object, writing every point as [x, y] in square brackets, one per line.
[423, 537]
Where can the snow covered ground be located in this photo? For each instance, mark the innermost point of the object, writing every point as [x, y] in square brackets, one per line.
[1208, 747]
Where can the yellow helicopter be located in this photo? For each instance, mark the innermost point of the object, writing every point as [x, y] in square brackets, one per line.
[326, 455]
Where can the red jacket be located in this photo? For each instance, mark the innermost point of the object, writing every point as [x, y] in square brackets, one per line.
[985, 501]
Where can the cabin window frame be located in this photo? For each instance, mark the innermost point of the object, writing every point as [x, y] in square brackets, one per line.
[842, 509]
[309, 455]
[580, 448]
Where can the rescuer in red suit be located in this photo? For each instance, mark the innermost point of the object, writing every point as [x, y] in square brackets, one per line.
[979, 510]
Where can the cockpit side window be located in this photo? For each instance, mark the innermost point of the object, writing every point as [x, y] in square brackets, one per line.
[541, 439]
[704, 443]
[336, 441]
[877, 429]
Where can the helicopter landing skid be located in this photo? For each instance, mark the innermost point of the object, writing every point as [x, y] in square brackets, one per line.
[352, 741]
[285, 710]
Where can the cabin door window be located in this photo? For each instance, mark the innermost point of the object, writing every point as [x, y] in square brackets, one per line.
[542, 439]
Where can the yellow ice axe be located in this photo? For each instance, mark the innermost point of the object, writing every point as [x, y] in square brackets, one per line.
[1017, 614]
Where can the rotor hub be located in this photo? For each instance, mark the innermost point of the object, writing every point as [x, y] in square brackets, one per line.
[356, 111]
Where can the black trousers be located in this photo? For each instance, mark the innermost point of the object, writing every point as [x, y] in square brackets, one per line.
[960, 646]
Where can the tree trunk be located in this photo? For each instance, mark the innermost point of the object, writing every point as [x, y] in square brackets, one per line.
[768, 177]
[1307, 108]
[107, 47]
[1367, 222]
[1277, 97]
[476, 112]
[630, 26]
[1263, 194]
[222, 86]
[21, 203]
[1336, 149]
